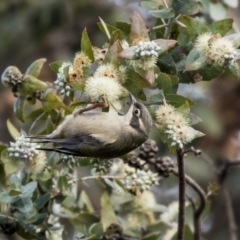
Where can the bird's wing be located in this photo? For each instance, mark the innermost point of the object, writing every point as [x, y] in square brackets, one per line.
[77, 145]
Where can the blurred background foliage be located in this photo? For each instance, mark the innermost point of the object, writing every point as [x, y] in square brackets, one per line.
[51, 29]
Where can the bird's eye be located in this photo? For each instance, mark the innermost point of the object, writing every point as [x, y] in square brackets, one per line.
[137, 112]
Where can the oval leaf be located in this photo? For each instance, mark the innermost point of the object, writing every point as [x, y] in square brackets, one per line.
[35, 68]
[18, 108]
[12, 130]
[86, 45]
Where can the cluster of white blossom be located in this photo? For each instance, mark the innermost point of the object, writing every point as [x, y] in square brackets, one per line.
[147, 49]
[70, 160]
[175, 125]
[139, 179]
[218, 51]
[61, 84]
[27, 152]
[22, 149]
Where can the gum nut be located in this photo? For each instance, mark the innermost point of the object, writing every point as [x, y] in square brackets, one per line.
[5, 76]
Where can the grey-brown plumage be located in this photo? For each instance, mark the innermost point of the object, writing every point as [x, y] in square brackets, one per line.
[99, 134]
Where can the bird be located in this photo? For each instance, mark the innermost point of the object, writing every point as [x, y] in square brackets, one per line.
[99, 134]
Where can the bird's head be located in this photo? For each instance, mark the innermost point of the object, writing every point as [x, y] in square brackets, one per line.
[139, 117]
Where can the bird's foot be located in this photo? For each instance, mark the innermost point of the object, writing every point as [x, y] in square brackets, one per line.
[93, 106]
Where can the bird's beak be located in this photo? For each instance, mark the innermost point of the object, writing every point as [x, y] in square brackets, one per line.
[133, 99]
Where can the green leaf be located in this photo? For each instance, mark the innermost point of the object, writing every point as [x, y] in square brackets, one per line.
[107, 212]
[106, 28]
[3, 179]
[97, 230]
[222, 26]
[56, 65]
[42, 200]
[151, 236]
[51, 101]
[233, 70]
[195, 60]
[86, 45]
[115, 36]
[31, 85]
[112, 53]
[35, 68]
[69, 202]
[39, 124]
[149, 5]
[188, 234]
[155, 99]
[21, 231]
[6, 198]
[162, 13]
[210, 72]
[174, 79]
[164, 83]
[15, 182]
[13, 193]
[49, 127]
[34, 114]
[124, 27]
[83, 221]
[135, 84]
[41, 217]
[62, 183]
[194, 27]
[28, 189]
[12, 130]
[185, 109]
[18, 108]
[9, 165]
[24, 204]
[177, 100]
[186, 7]
[167, 64]
[43, 176]
[84, 200]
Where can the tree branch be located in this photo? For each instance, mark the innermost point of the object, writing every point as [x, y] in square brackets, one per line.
[197, 211]
[181, 177]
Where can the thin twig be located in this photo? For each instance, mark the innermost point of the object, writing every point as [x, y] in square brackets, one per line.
[160, 26]
[230, 214]
[181, 177]
[165, 3]
[169, 28]
[96, 177]
[197, 211]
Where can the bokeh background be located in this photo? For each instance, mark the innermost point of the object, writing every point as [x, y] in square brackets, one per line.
[51, 29]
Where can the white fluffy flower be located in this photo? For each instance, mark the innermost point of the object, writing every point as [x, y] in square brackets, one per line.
[175, 125]
[218, 51]
[221, 52]
[106, 70]
[201, 43]
[103, 89]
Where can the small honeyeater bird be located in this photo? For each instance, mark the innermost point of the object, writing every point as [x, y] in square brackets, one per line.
[100, 134]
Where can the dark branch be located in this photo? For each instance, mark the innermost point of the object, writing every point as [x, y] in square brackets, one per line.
[181, 177]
